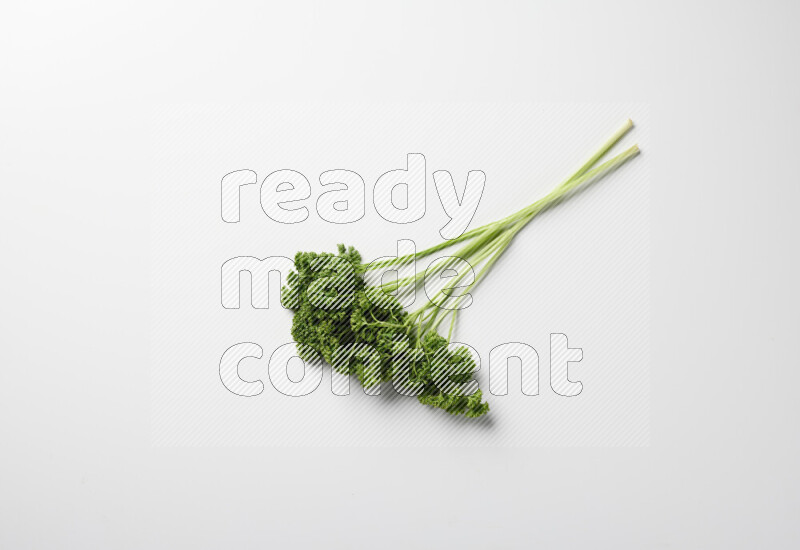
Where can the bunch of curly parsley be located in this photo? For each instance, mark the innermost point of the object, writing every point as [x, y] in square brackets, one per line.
[363, 330]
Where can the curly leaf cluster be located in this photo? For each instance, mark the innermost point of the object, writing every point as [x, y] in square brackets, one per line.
[361, 330]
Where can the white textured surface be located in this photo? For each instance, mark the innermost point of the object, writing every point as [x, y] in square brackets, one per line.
[77, 467]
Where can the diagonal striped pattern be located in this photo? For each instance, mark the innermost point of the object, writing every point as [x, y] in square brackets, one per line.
[581, 269]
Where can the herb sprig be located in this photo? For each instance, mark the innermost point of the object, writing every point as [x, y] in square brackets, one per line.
[363, 329]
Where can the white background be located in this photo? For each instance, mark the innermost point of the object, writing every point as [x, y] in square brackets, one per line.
[79, 82]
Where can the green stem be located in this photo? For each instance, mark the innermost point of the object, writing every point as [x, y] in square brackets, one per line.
[490, 241]
[557, 194]
[591, 161]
